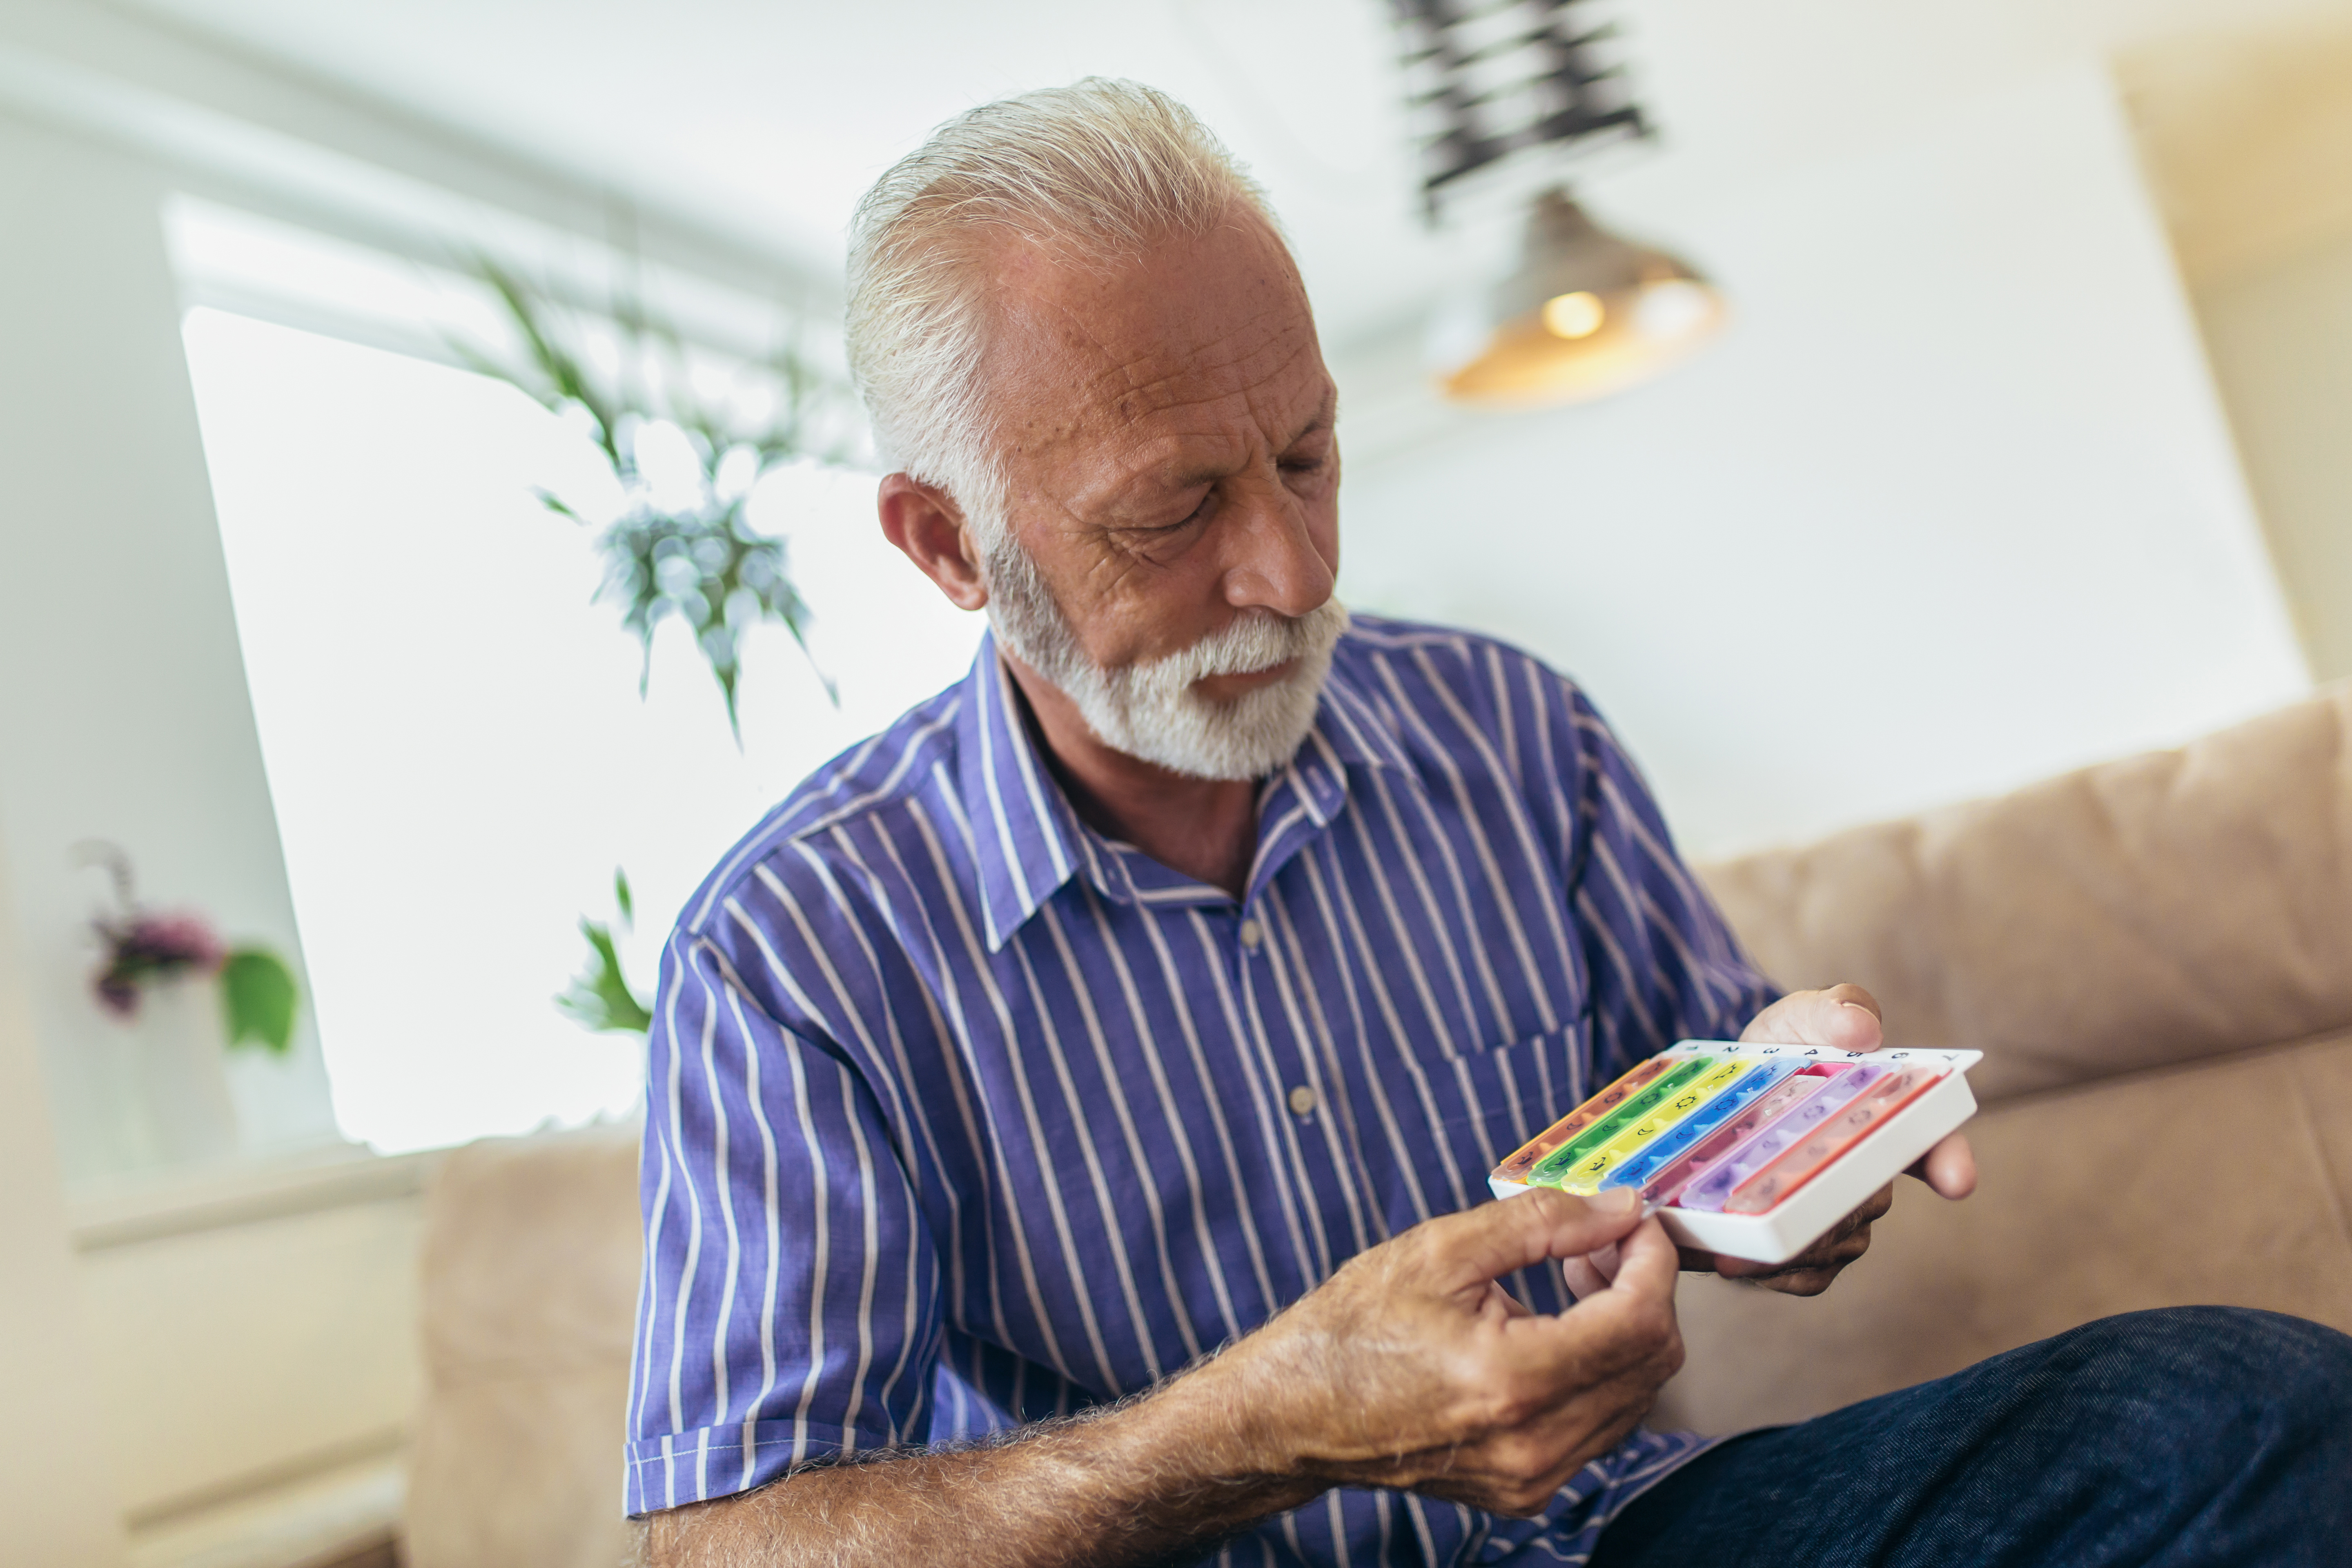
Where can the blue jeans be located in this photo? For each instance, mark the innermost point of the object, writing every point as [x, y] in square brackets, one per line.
[2184, 1438]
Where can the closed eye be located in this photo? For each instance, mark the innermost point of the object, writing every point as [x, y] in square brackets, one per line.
[1198, 514]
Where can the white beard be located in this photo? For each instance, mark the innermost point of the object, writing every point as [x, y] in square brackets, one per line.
[1150, 710]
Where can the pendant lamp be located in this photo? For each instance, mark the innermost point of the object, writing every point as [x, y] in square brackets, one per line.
[1585, 313]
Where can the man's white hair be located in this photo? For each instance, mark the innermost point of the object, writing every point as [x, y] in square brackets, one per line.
[1095, 171]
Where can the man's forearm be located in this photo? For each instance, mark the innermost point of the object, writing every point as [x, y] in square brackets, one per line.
[1410, 1368]
[1162, 1478]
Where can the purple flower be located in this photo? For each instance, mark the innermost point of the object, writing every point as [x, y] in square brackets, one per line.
[148, 947]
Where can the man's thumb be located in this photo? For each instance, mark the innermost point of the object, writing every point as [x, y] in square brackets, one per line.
[1493, 1239]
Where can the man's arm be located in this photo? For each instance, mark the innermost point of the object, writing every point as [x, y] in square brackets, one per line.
[1410, 1368]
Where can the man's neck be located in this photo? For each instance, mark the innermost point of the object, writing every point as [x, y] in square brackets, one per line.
[1205, 828]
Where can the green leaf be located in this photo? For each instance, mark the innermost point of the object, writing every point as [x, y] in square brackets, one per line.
[601, 998]
[621, 895]
[702, 562]
[257, 999]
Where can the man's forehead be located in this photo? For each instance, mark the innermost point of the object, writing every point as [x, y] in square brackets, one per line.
[1194, 322]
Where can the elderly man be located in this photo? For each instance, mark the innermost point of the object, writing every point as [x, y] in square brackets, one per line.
[1069, 1109]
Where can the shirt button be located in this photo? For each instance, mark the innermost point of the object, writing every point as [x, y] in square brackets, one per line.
[1251, 934]
[1302, 1101]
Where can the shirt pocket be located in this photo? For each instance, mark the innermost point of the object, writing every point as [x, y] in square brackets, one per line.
[1495, 1099]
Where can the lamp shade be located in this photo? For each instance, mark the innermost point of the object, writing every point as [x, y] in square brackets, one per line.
[1586, 312]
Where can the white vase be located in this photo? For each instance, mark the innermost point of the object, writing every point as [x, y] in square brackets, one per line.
[180, 1048]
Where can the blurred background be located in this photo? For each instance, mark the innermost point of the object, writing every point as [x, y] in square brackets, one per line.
[367, 364]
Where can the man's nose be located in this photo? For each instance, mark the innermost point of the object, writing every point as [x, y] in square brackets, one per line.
[1275, 561]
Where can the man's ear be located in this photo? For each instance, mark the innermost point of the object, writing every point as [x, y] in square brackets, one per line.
[925, 521]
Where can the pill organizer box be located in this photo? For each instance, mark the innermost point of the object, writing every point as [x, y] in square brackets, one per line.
[1751, 1150]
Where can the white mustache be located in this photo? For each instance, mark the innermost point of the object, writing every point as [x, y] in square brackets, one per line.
[1254, 641]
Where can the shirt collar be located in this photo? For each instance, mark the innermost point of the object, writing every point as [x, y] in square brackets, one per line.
[1023, 832]
[1358, 723]
[1027, 839]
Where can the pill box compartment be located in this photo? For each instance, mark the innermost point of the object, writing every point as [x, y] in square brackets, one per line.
[1799, 1220]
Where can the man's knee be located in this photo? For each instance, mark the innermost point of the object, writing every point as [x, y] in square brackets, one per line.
[2223, 1428]
[2282, 1381]
[2219, 1340]
[2308, 1378]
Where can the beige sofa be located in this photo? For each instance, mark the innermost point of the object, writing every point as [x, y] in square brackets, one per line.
[2155, 955]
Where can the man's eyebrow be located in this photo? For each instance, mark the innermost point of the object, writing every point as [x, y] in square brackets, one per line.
[1326, 415]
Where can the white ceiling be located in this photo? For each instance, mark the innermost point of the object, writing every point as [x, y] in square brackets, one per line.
[766, 121]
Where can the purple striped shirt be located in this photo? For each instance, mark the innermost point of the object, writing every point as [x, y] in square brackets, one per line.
[961, 1114]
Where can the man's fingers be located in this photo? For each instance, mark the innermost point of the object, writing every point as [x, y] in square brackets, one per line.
[1583, 1277]
[1611, 1329]
[1820, 1262]
[1950, 1168]
[1510, 1306]
[1647, 1262]
[1523, 1396]
[1491, 1240]
[1643, 1281]
[1844, 1017]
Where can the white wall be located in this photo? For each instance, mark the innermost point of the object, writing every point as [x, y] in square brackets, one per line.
[2281, 339]
[123, 713]
[1951, 507]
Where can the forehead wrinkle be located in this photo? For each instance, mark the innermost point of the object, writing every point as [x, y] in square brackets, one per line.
[1032, 271]
[1229, 356]
[1127, 363]
[1162, 450]
[1158, 452]
[1233, 363]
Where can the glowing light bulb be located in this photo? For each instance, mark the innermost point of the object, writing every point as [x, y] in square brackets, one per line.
[1606, 314]
[1575, 315]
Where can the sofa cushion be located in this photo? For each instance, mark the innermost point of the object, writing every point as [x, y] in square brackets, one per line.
[531, 1258]
[521, 1469]
[2226, 1182]
[2142, 912]
[505, 1219]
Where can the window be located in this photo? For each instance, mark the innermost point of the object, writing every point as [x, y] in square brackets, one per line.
[452, 728]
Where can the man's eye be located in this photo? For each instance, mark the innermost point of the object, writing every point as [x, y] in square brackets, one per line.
[1198, 514]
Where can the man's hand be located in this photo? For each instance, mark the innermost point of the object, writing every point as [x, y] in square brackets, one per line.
[1845, 1018]
[1411, 1368]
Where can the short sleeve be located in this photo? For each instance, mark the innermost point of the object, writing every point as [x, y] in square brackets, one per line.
[1662, 961]
[790, 1304]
